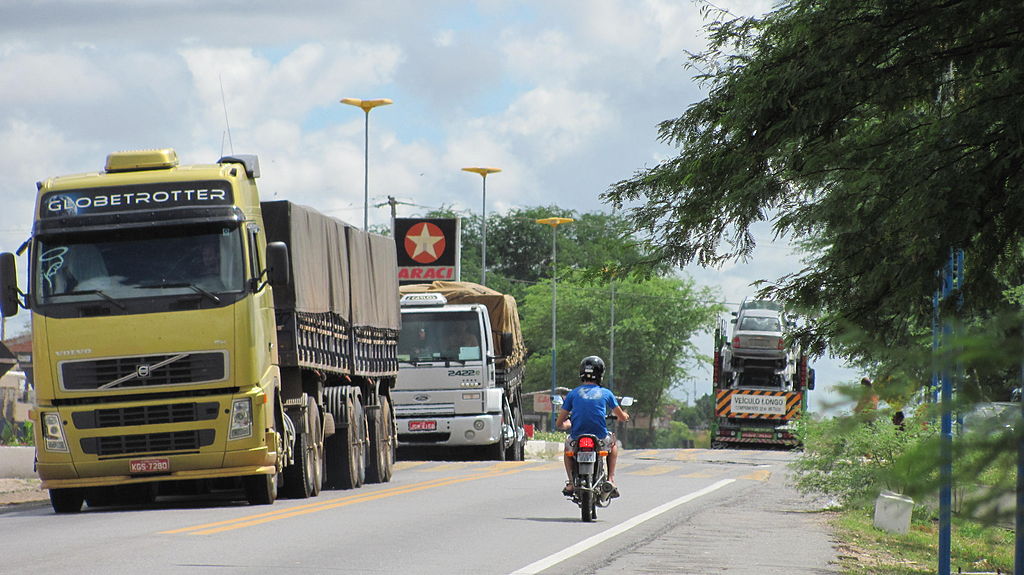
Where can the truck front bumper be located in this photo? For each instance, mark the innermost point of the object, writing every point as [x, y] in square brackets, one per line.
[65, 473]
[456, 431]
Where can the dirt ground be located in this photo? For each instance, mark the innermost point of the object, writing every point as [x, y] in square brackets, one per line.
[21, 491]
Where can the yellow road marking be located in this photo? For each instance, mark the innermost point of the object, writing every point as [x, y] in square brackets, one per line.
[699, 475]
[547, 466]
[687, 455]
[503, 465]
[443, 467]
[759, 475]
[655, 470]
[403, 465]
[257, 519]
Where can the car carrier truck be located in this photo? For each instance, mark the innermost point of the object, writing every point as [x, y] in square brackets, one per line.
[460, 377]
[187, 336]
[760, 382]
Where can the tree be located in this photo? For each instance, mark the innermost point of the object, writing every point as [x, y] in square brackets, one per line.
[699, 415]
[655, 320]
[519, 249]
[884, 134]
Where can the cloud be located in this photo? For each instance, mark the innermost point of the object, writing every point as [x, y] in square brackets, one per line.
[49, 77]
[310, 76]
[548, 56]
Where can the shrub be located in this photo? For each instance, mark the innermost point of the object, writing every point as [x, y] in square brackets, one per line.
[853, 459]
[16, 433]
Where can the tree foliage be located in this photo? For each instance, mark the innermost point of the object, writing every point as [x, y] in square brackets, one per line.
[655, 321]
[881, 133]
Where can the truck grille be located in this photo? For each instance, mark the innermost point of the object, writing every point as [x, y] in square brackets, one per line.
[146, 415]
[143, 371]
[425, 410]
[148, 442]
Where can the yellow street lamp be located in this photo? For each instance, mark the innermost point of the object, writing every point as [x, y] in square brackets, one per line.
[366, 106]
[554, 222]
[483, 262]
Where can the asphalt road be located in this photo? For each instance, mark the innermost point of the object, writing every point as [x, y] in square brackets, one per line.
[681, 511]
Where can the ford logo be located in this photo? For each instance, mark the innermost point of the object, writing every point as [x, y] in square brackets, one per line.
[422, 397]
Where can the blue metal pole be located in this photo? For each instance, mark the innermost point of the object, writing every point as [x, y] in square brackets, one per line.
[1018, 557]
[946, 434]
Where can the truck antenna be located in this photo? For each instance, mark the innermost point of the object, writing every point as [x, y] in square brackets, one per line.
[227, 124]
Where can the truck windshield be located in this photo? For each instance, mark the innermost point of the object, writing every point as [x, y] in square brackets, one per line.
[114, 265]
[439, 336]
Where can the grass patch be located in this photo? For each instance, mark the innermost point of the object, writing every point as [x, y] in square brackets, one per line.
[558, 436]
[868, 551]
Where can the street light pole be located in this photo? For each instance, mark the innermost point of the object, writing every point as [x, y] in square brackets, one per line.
[366, 106]
[483, 258]
[554, 223]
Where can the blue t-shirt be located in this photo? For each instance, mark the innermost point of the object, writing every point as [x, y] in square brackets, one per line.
[588, 405]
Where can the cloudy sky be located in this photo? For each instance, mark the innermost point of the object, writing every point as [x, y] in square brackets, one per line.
[563, 95]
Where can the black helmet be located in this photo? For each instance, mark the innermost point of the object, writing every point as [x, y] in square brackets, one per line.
[592, 369]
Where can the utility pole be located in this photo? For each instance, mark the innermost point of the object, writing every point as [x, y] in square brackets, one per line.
[394, 211]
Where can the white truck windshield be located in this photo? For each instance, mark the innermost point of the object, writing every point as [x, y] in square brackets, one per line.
[439, 336]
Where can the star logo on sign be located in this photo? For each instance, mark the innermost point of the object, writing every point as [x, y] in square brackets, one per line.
[424, 242]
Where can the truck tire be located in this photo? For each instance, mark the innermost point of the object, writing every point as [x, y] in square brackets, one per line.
[345, 460]
[304, 477]
[496, 451]
[260, 489]
[67, 500]
[317, 449]
[380, 458]
[516, 451]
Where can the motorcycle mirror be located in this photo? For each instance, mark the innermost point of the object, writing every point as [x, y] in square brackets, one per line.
[627, 401]
[556, 400]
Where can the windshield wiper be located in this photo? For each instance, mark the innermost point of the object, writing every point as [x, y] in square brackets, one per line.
[93, 292]
[191, 286]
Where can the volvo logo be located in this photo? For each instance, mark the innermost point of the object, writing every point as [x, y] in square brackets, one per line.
[422, 397]
[143, 370]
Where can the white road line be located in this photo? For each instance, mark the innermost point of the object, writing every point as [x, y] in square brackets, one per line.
[550, 560]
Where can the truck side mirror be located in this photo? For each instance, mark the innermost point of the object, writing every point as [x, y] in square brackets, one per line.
[810, 379]
[506, 343]
[277, 264]
[8, 285]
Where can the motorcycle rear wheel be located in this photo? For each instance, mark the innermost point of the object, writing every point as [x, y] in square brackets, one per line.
[588, 511]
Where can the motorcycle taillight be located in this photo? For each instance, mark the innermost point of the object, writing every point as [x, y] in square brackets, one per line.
[587, 443]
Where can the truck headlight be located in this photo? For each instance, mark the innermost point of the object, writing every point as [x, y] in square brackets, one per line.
[241, 419]
[53, 433]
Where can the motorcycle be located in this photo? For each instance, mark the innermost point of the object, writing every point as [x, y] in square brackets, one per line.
[591, 488]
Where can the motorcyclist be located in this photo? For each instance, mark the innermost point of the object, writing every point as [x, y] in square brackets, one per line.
[584, 411]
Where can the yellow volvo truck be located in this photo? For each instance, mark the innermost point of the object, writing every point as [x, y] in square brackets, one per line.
[188, 337]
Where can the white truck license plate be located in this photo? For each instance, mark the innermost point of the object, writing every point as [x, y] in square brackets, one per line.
[158, 465]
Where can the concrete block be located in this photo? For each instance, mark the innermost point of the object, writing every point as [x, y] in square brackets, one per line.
[543, 449]
[892, 512]
[17, 462]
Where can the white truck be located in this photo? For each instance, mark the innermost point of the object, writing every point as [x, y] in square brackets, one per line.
[461, 357]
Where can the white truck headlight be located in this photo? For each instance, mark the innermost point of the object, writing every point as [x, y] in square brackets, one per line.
[241, 419]
[53, 433]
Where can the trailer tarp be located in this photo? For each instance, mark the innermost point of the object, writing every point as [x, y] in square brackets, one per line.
[318, 254]
[502, 309]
